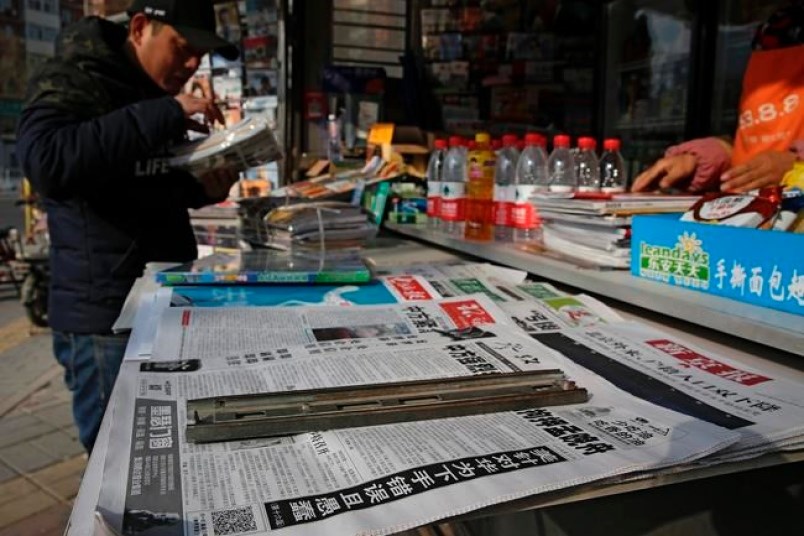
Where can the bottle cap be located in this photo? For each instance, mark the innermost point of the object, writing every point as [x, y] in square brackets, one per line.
[509, 140]
[496, 144]
[612, 144]
[455, 141]
[471, 145]
[482, 138]
[561, 140]
[533, 139]
[585, 142]
[440, 144]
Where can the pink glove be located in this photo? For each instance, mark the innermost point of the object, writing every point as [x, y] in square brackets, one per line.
[713, 160]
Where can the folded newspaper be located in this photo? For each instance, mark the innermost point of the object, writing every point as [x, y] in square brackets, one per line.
[247, 144]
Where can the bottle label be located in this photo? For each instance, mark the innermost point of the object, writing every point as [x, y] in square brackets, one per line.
[433, 199]
[503, 201]
[523, 213]
[453, 201]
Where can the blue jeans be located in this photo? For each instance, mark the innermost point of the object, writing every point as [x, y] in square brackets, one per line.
[91, 364]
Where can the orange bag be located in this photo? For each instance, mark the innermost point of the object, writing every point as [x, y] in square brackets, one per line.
[771, 111]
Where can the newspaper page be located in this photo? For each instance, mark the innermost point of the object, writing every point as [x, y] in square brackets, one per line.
[200, 333]
[451, 279]
[534, 306]
[372, 480]
[548, 311]
[674, 374]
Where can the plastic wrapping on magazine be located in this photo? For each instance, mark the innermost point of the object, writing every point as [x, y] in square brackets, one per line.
[247, 144]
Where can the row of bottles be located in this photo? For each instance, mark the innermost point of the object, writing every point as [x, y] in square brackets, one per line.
[479, 191]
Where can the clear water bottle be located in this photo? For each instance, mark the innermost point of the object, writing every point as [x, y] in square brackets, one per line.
[561, 166]
[613, 178]
[531, 176]
[453, 188]
[435, 170]
[587, 166]
[333, 139]
[504, 188]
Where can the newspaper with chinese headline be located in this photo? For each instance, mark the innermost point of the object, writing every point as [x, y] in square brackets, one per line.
[535, 305]
[202, 333]
[372, 480]
[767, 411]
[651, 365]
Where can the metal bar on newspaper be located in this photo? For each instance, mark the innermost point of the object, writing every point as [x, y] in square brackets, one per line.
[279, 414]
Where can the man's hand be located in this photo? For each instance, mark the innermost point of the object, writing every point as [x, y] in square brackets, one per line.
[218, 182]
[765, 169]
[193, 105]
[671, 170]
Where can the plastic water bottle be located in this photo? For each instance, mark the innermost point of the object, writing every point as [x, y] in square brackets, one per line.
[333, 139]
[480, 190]
[453, 189]
[613, 178]
[435, 170]
[504, 188]
[561, 166]
[587, 166]
[531, 176]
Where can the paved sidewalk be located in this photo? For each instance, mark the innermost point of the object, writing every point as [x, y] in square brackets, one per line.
[41, 459]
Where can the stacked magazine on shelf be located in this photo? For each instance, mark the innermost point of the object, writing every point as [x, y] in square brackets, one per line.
[269, 266]
[322, 225]
[596, 228]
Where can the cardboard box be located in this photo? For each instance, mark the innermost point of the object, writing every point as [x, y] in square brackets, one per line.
[755, 266]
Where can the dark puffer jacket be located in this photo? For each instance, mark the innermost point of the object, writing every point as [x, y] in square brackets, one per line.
[89, 139]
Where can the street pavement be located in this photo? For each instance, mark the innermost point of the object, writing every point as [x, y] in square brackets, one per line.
[41, 459]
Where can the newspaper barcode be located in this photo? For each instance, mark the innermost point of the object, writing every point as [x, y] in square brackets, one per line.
[234, 521]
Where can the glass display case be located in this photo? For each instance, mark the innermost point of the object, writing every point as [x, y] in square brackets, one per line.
[647, 76]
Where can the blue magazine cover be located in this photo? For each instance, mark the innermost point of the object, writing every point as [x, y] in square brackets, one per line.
[374, 293]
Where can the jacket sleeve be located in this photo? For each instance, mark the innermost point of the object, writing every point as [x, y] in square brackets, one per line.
[189, 191]
[62, 152]
[713, 159]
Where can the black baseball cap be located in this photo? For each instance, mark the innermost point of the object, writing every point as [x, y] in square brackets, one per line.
[193, 19]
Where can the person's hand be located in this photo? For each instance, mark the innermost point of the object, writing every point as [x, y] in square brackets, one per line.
[765, 169]
[193, 105]
[670, 169]
[218, 182]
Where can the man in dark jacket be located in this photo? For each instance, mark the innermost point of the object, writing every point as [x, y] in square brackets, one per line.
[96, 121]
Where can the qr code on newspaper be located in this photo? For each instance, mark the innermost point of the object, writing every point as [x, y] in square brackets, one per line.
[234, 521]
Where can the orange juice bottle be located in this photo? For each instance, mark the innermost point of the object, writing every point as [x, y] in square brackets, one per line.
[480, 190]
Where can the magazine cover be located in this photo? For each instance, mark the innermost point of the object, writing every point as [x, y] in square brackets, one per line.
[228, 21]
[374, 293]
[259, 51]
[261, 82]
[269, 266]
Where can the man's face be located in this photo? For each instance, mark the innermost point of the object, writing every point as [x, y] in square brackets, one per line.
[164, 54]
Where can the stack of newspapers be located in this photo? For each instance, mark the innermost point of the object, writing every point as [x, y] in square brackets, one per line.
[247, 144]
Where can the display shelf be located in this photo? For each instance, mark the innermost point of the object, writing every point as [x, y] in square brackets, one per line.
[776, 329]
